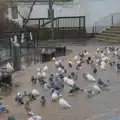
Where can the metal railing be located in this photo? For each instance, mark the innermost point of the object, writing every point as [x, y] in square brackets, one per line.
[106, 22]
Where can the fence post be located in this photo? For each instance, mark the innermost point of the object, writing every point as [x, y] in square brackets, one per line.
[10, 47]
[39, 23]
[112, 20]
[93, 30]
[79, 25]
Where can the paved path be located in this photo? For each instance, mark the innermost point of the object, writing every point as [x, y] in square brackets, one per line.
[99, 107]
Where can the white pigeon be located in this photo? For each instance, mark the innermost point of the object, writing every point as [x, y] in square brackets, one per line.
[19, 94]
[103, 63]
[9, 67]
[108, 51]
[53, 58]
[115, 53]
[97, 60]
[35, 92]
[38, 75]
[86, 53]
[31, 118]
[38, 69]
[76, 57]
[104, 59]
[63, 103]
[45, 68]
[54, 96]
[60, 61]
[96, 88]
[69, 81]
[63, 71]
[44, 74]
[103, 67]
[56, 63]
[36, 117]
[59, 70]
[98, 49]
[70, 62]
[30, 113]
[90, 78]
[78, 62]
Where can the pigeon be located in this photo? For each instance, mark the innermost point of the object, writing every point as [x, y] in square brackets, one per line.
[35, 92]
[43, 101]
[70, 63]
[69, 81]
[54, 59]
[76, 57]
[45, 68]
[38, 69]
[96, 88]
[9, 67]
[54, 96]
[63, 103]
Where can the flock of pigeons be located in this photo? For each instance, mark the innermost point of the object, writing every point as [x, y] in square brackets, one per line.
[55, 82]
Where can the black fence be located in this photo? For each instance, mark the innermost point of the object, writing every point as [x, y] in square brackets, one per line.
[64, 27]
[6, 44]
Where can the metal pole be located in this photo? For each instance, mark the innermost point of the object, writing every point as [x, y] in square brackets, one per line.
[52, 18]
[112, 20]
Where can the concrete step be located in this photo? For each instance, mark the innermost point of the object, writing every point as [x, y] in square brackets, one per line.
[116, 26]
[110, 34]
[106, 40]
[112, 31]
[108, 37]
[113, 28]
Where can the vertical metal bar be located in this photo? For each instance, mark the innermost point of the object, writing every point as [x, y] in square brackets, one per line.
[112, 20]
[79, 26]
[39, 23]
[28, 43]
[84, 22]
[34, 39]
[43, 23]
[10, 47]
[37, 37]
[20, 45]
[58, 23]
[95, 29]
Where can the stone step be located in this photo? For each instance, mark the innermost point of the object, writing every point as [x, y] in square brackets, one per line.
[116, 26]
[106, 40]
[112, 31]
[109, 34]
[113, 28]
[108, 37]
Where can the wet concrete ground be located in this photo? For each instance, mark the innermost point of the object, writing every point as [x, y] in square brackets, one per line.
[103, 106]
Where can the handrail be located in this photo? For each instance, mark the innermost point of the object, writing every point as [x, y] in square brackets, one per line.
[105, 22]
[102, 18]
[49, 21]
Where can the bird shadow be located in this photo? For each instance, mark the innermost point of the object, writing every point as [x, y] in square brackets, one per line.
[92, 95]
[105, 89]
